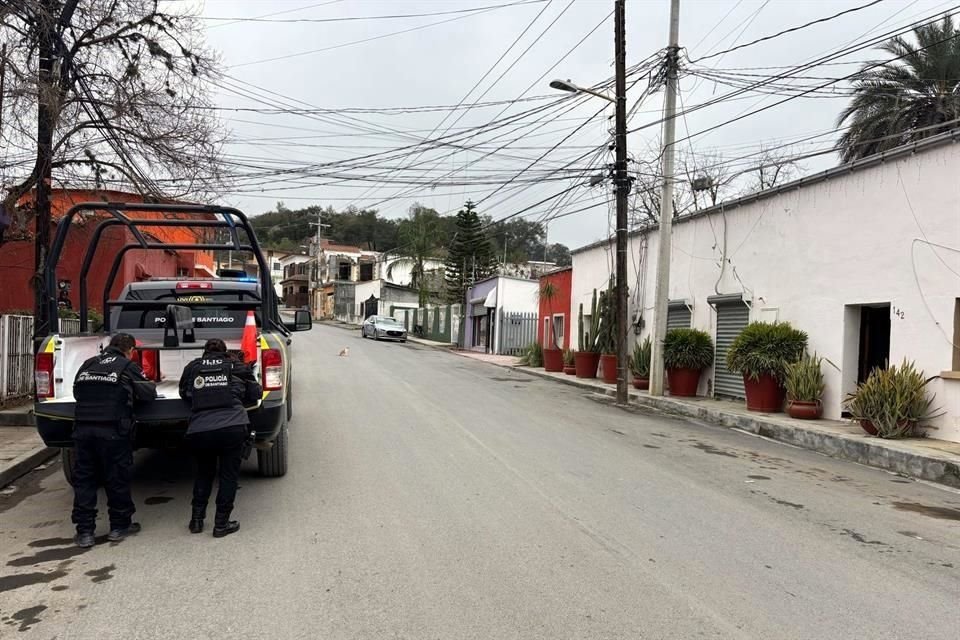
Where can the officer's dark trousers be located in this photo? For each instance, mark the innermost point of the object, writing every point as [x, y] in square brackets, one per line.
[103, 458]
[221, 449]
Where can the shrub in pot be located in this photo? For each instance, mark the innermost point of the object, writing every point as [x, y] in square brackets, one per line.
[761, 354]
[804, 385]
[587, 358]
[640, 364]
[569, 363]
[686, 352]
[893, 402]
[532, 355]
[553, 360]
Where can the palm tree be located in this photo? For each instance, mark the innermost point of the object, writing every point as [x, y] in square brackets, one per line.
[419, 241]
[914, 96]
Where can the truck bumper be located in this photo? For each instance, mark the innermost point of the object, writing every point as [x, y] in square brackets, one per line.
[162, 427]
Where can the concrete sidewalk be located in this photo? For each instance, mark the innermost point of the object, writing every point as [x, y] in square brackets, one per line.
[21, 450]
[924, 458]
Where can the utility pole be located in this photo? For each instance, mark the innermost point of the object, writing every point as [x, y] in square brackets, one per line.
[621, 183]
[664, 235]
[315, 289]
[45, 123]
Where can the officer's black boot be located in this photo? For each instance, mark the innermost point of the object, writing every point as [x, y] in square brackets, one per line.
[196, 520]
[223, 525]
[119, 533]
[84, 539]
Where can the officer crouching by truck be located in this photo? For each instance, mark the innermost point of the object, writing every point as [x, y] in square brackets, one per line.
[105, 389]
[218, 385]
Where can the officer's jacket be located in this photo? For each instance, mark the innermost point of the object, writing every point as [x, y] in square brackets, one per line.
[106, 387]
[217, 388]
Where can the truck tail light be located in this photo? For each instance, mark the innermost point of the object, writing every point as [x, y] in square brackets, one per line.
[272, 362]
[194, 285]
[149, 361]
[43, 375]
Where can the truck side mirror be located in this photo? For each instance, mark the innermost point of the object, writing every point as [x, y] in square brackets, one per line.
[302, 321]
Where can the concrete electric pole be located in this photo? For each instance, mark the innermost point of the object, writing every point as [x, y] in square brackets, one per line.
[666, 208]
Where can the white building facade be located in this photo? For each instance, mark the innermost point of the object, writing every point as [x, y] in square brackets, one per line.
[864, 258]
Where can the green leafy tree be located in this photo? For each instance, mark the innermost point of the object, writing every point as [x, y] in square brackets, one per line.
[470, 257]
[907, 99]
[419, 242]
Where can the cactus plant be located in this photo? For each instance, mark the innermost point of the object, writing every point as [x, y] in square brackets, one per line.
[588, 340]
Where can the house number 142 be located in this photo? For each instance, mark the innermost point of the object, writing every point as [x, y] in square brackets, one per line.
[899, 313]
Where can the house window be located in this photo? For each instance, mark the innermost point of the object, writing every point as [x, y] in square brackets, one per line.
[559, 328]
[277, 266]
[366, 272]
[546, 333]
[343, 271]
[182, 272]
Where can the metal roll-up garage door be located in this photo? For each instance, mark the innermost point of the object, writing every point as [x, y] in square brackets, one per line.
[732, 318]
[678, 315]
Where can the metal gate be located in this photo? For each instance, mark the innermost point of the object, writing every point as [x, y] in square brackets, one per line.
[16, 356]
[678, 315]
[517, 331]
[732, 318]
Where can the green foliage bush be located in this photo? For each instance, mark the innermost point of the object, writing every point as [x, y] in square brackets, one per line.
[687, 349]
[766, 348]
[894, 400]
[532, 355]
[804, 379]
[640, 360]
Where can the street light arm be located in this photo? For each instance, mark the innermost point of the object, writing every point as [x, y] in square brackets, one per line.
[598, 94]
[566, 85]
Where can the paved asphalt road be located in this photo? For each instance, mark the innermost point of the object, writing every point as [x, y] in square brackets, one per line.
[434, 497]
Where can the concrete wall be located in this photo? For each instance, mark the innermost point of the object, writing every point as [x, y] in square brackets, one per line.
[810, 254]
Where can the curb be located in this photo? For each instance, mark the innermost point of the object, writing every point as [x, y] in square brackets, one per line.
[17, 419]
[932, 467]
[26, 463]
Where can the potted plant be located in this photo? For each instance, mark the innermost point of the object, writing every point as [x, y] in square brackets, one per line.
[607, 337]
[552, 353]
[569, 363]
[532, 355]
[893, 402]
[804, 384]
[761, 354]
[587, 358]
[686, 352]
[640, 364]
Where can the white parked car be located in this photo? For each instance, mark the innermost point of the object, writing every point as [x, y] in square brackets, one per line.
[383, 328]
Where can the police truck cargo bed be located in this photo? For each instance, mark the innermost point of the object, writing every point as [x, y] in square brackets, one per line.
[171, 318]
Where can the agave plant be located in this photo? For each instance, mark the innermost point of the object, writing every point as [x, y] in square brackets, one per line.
[687, 349]
[893, 400]
[640, 360]
[532, 355]
[804, 379]
[568, 357]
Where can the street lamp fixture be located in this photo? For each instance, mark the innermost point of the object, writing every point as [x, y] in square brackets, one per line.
[566, 85]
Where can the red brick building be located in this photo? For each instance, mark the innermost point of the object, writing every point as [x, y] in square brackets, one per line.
[555, 307]
[17, 254]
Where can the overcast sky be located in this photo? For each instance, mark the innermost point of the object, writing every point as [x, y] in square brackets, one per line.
[292, 57]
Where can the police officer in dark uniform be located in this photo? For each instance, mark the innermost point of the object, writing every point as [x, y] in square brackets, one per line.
[105, 390]
[217, 385]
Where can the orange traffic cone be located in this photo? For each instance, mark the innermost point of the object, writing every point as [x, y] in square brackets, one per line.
[248, 343]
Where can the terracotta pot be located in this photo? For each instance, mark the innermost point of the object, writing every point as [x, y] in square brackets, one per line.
[608, 368]
[683, 382]
[802, 410]
[765, 394]
[586, 363]
[641, 383]
[553, 360]
[570, 369]
[867, 426]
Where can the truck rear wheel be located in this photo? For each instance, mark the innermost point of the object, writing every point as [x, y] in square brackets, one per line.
[68, 458]
[272, 462]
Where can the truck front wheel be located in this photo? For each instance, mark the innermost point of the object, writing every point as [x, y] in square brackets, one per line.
[68, 459]
[272, 462]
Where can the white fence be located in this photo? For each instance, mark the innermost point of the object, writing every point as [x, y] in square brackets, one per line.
[16, 354]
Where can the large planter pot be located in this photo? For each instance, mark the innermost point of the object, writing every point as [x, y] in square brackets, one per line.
[570, 369]
[641, 383]
[586, 363]
[553, 360]
[765, 394]
[608, 368]
[683, 382]
[867, 426]
[802, 410]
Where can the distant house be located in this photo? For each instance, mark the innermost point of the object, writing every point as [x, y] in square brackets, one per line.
[501, 315]
[380, 298]
[296, 280]
[554, 312]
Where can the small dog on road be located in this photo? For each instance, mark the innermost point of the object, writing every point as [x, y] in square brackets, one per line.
[345, 352]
